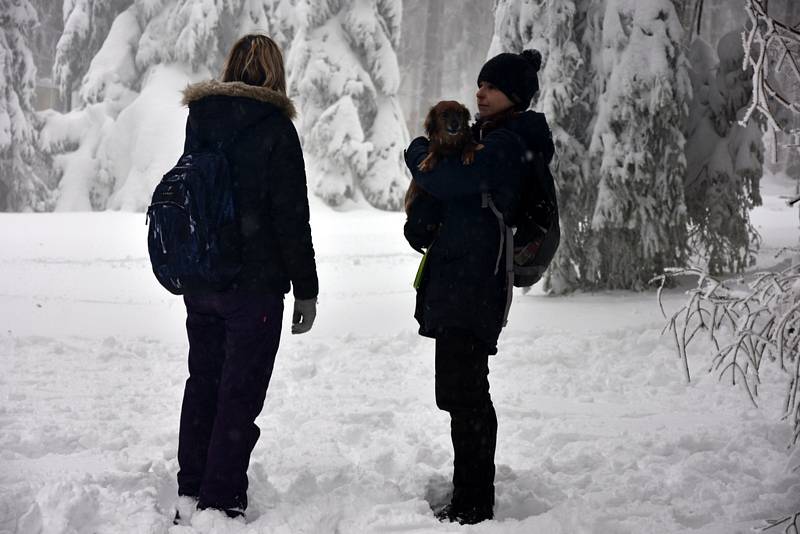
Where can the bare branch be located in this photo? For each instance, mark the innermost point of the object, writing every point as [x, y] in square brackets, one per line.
[759, 314]
[793, 522]
[766, 38]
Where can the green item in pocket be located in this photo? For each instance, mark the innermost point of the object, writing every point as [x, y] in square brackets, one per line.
[421, 270]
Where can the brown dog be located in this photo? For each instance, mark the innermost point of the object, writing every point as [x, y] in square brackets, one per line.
[447, 128]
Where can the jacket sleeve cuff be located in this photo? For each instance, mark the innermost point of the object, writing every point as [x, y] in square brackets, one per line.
[416, 152]
[305, 289]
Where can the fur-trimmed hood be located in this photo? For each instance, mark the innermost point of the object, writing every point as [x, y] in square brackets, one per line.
[196, 91]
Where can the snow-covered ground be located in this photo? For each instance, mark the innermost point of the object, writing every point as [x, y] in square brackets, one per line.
[598, 431]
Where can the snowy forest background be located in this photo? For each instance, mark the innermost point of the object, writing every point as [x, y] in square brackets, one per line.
[643, 99]
[603, 429]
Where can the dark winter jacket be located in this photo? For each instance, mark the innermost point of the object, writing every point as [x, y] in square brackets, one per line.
[464, 282]
[267, 167]
[532, 128]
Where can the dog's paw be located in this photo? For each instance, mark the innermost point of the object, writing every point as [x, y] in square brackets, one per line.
[427, 163]
[468, 155]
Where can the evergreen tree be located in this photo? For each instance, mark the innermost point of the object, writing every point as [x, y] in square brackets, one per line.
[200, 32]
[42, 43]
[638, 143]
[154, 45]
[345, 76]
[126, 129]
[86, 24]
[21, 188]
[724, 158]
[78, 141]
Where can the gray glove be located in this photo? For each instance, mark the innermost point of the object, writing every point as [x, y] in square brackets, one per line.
[305, 311]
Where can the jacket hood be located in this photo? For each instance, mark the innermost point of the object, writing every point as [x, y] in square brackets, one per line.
[521, 122]
[529, 125]
[198, 91]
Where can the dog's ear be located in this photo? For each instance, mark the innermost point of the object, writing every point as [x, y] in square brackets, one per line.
[430, 122]
[465, 116]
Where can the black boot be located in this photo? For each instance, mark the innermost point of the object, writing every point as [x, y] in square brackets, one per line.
[474, 435]
[465, 515]
[234, 512]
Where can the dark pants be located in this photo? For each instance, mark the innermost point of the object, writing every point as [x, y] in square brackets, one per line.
[462, 388]
[233, 339]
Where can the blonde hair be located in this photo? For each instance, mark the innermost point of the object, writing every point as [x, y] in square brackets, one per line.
[255, 59]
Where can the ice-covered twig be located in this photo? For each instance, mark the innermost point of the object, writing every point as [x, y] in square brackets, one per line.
[792, 521]
[755, 316]
[768, 45]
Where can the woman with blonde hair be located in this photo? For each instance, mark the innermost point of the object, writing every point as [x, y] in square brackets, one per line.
[234, 334]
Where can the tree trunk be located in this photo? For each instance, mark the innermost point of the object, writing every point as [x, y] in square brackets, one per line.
[432, 73]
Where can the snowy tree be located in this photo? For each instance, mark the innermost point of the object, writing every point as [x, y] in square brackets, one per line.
[200, 32]
[789, 74]
[43, 40]
[127, 128]
[344, 74]
[21, 187]
[86, 24]
[638, 144]
[724, 158]
[78, 141]
[197, 32]
[772, 45]
[353, 131]
[773, 37]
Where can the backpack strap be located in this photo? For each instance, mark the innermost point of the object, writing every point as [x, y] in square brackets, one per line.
[487, 202]
[507, 243]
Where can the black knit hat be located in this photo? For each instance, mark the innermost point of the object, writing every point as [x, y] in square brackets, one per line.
[515, 75]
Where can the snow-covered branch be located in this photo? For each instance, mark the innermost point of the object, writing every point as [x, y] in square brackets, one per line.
[790, 524]
[769, 45]
[750, 320]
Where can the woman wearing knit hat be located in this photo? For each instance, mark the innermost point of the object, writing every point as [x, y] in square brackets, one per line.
[461, 292]
[506, 85]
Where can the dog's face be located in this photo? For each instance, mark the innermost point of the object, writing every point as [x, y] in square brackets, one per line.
[447, 123]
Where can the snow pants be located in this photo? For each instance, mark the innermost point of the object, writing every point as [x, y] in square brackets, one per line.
[462, 389]
[233, 339]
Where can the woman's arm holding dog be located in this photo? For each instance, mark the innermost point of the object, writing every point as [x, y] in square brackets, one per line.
[497, 165]
[423, 216]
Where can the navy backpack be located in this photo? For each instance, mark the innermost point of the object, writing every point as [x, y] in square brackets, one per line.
[530, 246]
[193, 236]
[538, 232]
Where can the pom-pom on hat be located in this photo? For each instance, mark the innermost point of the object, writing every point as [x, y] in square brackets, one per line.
[515, 75]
